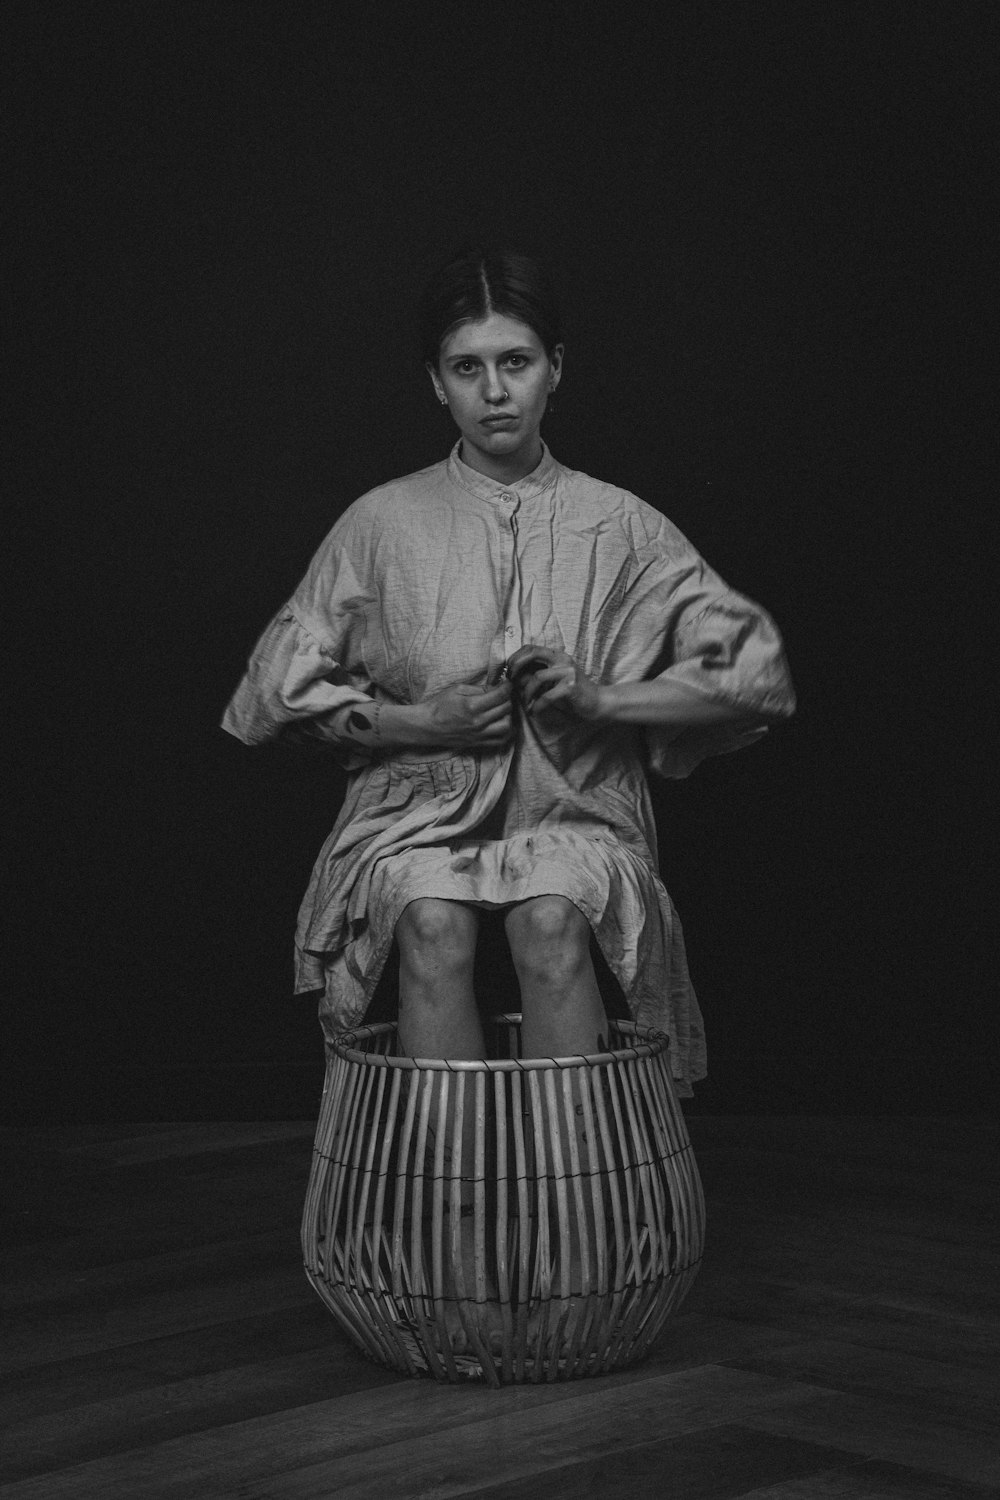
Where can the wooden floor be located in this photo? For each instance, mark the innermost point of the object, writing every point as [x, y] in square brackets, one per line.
[842, 1341]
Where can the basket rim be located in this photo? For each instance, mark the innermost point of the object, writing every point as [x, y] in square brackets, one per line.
[651, 1044]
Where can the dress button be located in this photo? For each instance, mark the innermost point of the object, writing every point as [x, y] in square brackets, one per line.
[507, 498]
[509, 630]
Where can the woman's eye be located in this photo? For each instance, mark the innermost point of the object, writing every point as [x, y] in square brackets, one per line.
[517, 361]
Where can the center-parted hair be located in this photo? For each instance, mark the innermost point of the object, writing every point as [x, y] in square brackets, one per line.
[479, 281]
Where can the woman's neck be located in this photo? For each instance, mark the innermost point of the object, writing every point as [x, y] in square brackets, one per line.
[506, 468]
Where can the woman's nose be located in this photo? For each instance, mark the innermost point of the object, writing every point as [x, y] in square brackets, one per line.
[494, 386]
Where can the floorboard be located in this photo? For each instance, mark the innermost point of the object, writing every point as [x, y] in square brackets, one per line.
[871, 1480]
[714, 1462]
[160, 1341]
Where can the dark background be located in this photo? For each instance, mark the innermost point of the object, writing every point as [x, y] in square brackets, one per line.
[769, 227]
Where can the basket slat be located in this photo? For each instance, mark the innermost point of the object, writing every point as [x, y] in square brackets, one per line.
[509, 1220]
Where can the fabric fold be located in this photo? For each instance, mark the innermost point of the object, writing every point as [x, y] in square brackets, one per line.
[437, 579]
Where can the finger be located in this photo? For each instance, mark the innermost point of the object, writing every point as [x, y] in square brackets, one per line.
[495, 722]
[473, 690]
[492, 696]
[523, 653]
[559, 695]
[489, 708]
[522, 675]
[530, 659]
[548, 704]
[542, 682]
[494, 734]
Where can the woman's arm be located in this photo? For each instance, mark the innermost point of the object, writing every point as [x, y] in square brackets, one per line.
[461, 717]
[547, 679]
[661, 702]
[294, 689]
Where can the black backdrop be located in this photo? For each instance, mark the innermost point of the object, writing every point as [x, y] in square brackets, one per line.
[766, 225]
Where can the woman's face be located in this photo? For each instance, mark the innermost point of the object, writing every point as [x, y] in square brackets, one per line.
[497, 379]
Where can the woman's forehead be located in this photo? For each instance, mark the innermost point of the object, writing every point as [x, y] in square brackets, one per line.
[494, 334]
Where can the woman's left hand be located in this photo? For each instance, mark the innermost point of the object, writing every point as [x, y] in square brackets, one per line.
[547, 679]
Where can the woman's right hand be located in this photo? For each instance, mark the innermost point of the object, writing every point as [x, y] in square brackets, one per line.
[469, 718]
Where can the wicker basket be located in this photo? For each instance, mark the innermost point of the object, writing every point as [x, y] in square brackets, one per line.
[547, 1239]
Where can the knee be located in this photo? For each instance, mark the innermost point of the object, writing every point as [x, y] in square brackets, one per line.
[436, 935]
[549, 940]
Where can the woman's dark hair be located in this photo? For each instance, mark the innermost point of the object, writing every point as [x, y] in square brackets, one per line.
[479, 281]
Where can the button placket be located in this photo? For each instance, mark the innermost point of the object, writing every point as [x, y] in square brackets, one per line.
[512, 614]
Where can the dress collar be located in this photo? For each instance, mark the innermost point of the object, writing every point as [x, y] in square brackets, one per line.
[541, 478]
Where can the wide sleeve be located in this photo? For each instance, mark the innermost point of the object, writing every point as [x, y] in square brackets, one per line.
[728, 649]
[306, 666]
[292, 681]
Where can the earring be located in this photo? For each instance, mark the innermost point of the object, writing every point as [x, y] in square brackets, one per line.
[443, 400]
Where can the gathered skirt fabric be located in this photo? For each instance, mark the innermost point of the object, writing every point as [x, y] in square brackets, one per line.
[630, 913]
[436, 580]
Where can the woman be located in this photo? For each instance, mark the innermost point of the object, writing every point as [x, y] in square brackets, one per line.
[501, 648]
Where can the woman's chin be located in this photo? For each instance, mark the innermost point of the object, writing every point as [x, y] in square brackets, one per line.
[504, 442]
[505, 436]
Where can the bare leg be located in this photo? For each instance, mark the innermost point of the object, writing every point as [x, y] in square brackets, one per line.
[438, 1018]
[437, 1008]
[563, 1016]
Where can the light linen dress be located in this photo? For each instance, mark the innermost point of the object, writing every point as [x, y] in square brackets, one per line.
[436, 579]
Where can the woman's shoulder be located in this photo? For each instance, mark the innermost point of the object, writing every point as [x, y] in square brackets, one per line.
[395, 501]
[645, 522]
[599, 491]
[402, 491]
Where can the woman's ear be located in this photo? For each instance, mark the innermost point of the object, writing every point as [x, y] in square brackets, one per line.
[436, 382]
[556, 361]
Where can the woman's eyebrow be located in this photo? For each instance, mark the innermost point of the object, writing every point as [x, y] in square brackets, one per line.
[519, 349]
